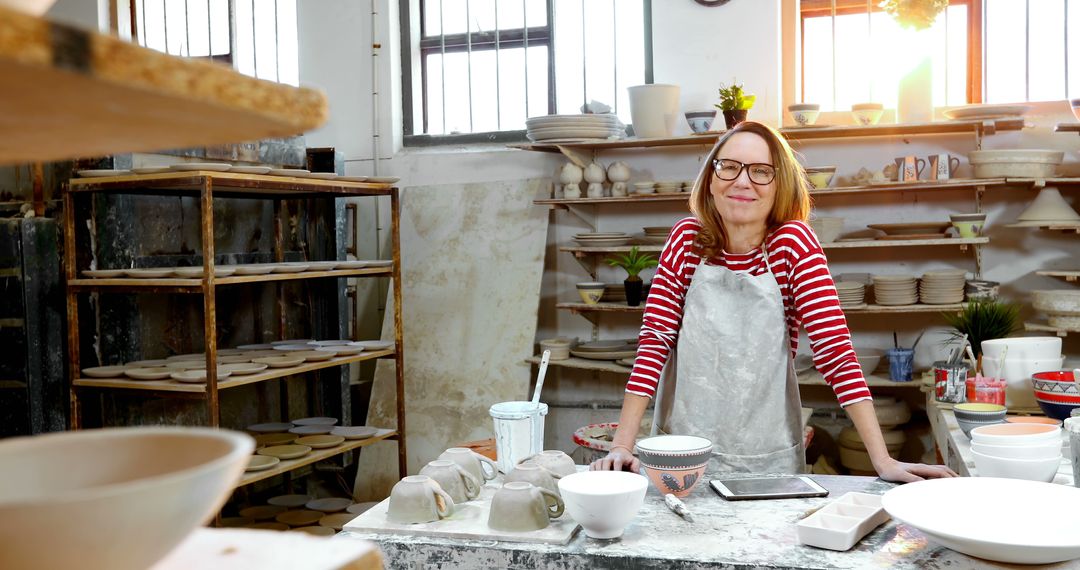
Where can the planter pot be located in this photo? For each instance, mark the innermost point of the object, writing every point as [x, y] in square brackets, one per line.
[633, 291]
[735, 117]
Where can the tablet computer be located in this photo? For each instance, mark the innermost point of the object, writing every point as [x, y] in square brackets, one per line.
[768, 488]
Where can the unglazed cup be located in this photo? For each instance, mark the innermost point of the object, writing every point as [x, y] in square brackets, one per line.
[523, 507]
[477, 465]
[418, 499]
[530, 472]
[554, 461]
[454, 479]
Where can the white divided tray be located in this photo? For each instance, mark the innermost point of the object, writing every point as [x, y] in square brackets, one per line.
[843, 522]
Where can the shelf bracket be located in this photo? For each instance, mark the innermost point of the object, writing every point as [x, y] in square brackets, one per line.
[579, 157]
[1038, 184]
[586, 214]
[593, 318]
[587, 262]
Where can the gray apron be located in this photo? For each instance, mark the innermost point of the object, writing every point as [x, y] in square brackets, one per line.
[730, 378]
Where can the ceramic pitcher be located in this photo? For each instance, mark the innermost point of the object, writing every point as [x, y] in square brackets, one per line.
[942, 166]
[908, 168]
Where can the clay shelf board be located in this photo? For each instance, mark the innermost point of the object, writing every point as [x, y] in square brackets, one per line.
[916, 308]
[814, 378]
[227, 184]
[962, 242]
[87, 94]
[195, 285]
[287, 465]
[230, 382]
[1066, 275]
[602, 307]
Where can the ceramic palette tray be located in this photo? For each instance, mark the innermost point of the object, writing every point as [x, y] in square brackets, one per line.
[843, 522]
[469, 521]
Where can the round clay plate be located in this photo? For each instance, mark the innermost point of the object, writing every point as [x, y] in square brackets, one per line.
[299, 347]
[311, 430]
[145, 364]
[310, 355]
[375, 344]
[103, 273]
[260, 462]
[148, 373]
[275, 427]
[332, 342]
[290, 501]
[315, 421]
[262, 512]
[337, 521]
[285, 451]
[303, 341]
[341, 350]
[255, 347]
[235, 522]
[245, 368]
[354, 432]
[271, 439]
[383, 179]
[353, 264]
[320, 441]
[315, 530]
[279, 361]
[360, 508]
[269, 525]
[104, 372]
[329, 505]
[300, 518]
[186, 358]
[255, 269]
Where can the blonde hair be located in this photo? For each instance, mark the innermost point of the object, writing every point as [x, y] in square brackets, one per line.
[792, 190]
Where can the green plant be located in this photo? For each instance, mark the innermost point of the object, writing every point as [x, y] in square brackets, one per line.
[633, 262]
[734, 99]
[915, 14]
[984, 320]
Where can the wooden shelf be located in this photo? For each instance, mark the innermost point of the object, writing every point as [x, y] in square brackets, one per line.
[601, 307]
[585, 364]
[1071, 228]
[814, 378]
[287, 465]
[1066, 275]
[897, 309]
[196, 285]
[87, 94]
[1067, 128]
[632, 199]
[1040, 327]
[230, 382]
[796, 134]
[227, 185]
[582, 251]
[962, 242]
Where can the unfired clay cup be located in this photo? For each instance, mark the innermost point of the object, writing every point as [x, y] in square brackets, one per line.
[454, 479]
[418, 499]
[473, 462]
[523, 507]
[553, 460]
[530, 472]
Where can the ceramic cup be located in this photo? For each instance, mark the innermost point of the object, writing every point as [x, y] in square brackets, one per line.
[554, 461]
[530, 472]
[454, 479]
[477, 465]
[418, 499]
[523, 507]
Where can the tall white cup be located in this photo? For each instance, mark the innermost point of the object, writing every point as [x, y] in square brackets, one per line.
[519, 431]
[654, 109]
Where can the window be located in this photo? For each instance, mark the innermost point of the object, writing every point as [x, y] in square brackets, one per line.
[257, 37]
[997, 51]
[487, 65]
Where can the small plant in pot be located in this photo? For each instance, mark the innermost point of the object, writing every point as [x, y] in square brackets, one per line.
[983, 320]
[735, 103]
[633, 263]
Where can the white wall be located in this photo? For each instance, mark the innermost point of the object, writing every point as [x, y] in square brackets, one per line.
[87, 14]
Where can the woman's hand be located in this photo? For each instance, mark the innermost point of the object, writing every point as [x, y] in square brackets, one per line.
[899, 472]
[619, 459]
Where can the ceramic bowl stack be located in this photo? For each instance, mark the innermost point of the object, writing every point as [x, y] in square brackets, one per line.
[852, 294]
[942, 287]
[972, 415]
[602, 239]
[1061, 305]
[1023, 357]
[1056, 392]
[896, 290]
[1017, 451]
[675, 463]
[827, 229]
[559, 347]
[656, 234]
[574, 127]
[1049, 208]
[669, 187]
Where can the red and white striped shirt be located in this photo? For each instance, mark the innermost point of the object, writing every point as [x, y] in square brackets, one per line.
[810, 300]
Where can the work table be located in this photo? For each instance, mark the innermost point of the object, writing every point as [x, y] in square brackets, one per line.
[739, 534]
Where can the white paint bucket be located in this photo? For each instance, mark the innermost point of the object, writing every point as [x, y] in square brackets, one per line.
[519, 431]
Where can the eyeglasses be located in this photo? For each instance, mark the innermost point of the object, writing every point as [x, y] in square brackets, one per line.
[759, 172]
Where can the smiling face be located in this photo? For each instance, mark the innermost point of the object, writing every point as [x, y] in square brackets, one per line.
[740, 201]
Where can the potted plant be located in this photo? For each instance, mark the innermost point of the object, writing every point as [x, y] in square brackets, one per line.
[734, 102]
[984, 319]
[634, 262]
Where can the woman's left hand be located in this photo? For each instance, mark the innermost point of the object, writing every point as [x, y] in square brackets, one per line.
[900, 472]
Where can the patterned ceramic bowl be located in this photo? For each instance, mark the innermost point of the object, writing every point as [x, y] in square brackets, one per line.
[674, 451]
[678, 482]
[1056, 392]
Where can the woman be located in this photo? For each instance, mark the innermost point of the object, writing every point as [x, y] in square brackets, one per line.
[735, 281]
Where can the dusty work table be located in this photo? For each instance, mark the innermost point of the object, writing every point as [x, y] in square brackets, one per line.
[740, 534]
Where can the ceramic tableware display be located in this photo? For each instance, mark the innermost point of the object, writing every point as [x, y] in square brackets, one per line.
[968, 225]
[477, 465]
[530, 472]
[820, 176]
[595, 176]
[571, 175]
[554, 460]
[1056, 392]
[1017, 163]
[603, 502]
[418, 499]
[590, 292]
[909, 168]
[523, 507]
[974, 414]
[461, 485]
[942, 166]
[618, 173]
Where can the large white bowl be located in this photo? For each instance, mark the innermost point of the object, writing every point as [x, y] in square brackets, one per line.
[1016, 434]
[34, 7]
[1044, 451]
[1029, 469]
[1006, 520]
[112, 499]
[1023, 348]
[603, 502]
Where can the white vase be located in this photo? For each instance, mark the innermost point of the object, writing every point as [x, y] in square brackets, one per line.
[654, 109]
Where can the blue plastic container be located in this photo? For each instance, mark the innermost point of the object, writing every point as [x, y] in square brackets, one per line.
[901, 361]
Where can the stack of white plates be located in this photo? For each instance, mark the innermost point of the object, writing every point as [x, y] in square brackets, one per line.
[656, 234]
[942, 287]
[672, 187]
[574, 127]
[896, 290]
[602, 239]
[852, 294]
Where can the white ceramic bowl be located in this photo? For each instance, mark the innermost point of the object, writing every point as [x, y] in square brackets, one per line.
[1045, 451]
[68, 497]
[869, 359]
[804, 114]
[1034, 163]
[867, 113]
[1023, 348]
[603, 502]
[1016, 434]
[1029, 469]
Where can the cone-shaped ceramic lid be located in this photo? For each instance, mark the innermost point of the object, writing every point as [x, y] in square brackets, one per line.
[1049, 205]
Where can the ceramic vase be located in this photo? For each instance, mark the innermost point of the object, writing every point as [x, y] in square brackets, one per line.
[595, 176]
[571, 176]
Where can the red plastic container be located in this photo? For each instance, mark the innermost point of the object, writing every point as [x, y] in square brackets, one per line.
[987, 390]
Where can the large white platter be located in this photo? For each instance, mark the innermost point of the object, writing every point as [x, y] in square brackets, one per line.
[1006, 520]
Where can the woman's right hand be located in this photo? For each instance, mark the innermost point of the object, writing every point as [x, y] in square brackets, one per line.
[619, 459]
